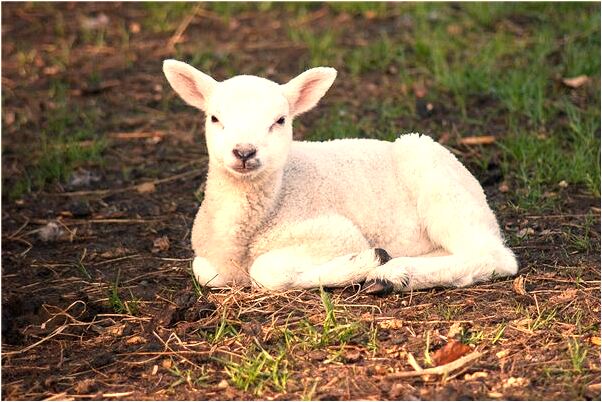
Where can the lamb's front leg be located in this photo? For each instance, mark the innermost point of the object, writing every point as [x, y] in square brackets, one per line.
[207, 275]
[295, 268]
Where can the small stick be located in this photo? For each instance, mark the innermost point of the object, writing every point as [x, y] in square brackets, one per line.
[439, 370]
[183, 26]
[192, 173]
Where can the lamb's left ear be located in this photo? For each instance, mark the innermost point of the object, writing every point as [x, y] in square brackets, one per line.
[192, 85]
[304, 91]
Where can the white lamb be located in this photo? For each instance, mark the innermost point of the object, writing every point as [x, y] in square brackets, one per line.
[284, 214]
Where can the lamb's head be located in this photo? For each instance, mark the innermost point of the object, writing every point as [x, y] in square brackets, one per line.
[248, 125]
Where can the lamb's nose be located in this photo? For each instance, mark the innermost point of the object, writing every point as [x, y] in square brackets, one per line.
[244, 152]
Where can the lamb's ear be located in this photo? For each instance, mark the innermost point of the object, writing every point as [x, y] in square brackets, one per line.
[304, 91]
[192, 85]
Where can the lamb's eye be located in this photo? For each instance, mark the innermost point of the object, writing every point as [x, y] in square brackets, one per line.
[280, 121]
[214, 119]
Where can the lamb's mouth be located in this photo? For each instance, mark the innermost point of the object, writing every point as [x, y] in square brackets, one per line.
[245, 168]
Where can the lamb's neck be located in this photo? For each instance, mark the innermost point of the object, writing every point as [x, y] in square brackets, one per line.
[252, 200]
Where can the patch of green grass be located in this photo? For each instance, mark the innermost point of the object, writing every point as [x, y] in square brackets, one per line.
[67, 140]
[322, 47]
[498, 333]
[577, 354]
[165, 17]
[579, 239]
[542, 320]
[187, 376]
[372, 343]
[538, 162]
[119, 305]
[198, 290]
[360, 7]
[225, 329]
[81, 267]
[335, 125]
[258, 368]
[471, 337]
[376, 56]
[449, 311]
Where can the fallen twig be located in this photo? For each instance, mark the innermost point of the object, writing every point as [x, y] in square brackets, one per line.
[439, 370]
[480, 140]
[192, 173]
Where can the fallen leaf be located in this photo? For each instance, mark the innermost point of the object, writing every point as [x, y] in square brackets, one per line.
[451, 351]
[525, 232]
[454, 29]
[116, 330]
[160, 244]
[148, 187]
[516, 382]
[575, 82]
[502, 353]
[392, 323]
[9, 117]
[595, 340]
[117, 252]
[444, 139]
[478, 140]
[134, 27]
[475, 375]
[370, 14]
[454, 330]
[519, 285]
[564, 296]
[51, 232]
[135, 340]
[419, 90]
[166, 363]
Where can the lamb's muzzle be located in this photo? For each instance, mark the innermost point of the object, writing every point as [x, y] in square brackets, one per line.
[244, 152]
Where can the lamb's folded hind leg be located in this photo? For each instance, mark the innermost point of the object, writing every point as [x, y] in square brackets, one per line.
[454, 270]
[293, 268]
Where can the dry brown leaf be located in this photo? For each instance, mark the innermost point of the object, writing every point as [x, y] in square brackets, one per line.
[595, 340]
[575, 82]
[454, 330]
[478, 140]
[564, 296]
[502, 353]
[504, 188]
[160, 244]
[519, 285]
[476, 375]
[392, 323]
[454, 29]
[451, 351]
[135, 340]
[419, 89]
[144, 188]
[370, 14]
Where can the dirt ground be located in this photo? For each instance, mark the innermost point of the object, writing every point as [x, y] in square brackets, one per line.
[97, 297]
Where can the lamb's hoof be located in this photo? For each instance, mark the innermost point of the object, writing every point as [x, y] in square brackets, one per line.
[382, 256]
[378, 287]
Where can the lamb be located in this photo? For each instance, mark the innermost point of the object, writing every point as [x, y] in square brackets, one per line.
[283, 214]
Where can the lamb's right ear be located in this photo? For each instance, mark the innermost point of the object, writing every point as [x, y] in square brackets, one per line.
[305, 90]
[192, 85]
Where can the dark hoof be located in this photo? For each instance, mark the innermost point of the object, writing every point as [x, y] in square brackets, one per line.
[382, 256]
[378, 287]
